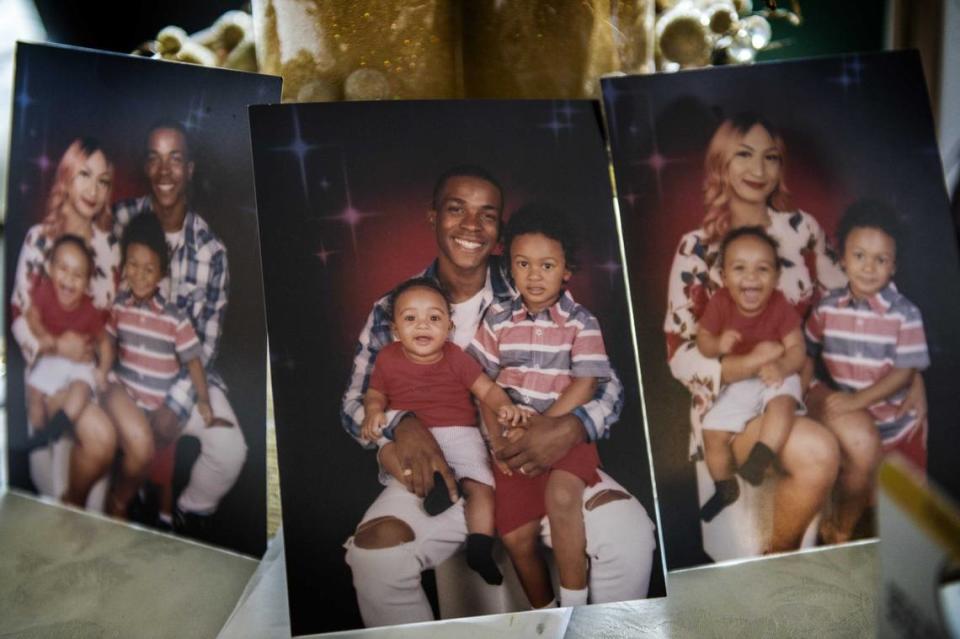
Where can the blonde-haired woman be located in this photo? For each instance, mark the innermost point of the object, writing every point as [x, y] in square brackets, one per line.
[744, 186]
[78, 204]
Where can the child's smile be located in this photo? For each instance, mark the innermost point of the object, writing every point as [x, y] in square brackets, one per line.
[142, 270]
[750, 274]
[421, 323]
[69, 272]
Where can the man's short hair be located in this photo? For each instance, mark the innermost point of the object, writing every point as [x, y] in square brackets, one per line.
[546, 220]
[868, 213]
[145, 229]
[749, 231]
[416, 282]
[168, 123]
[464, 170]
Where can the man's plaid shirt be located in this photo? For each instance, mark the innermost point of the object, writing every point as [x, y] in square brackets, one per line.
[197, 284]
[597, 415]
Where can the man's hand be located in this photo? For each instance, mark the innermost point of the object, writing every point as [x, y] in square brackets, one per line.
[544, 441]
[420, 456]
[74, 346]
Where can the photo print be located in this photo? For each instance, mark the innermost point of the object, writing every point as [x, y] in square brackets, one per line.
[504, 211]
[136, 341]
[793, 273]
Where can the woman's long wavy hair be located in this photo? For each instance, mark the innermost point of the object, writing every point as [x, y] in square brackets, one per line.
[73, 158]
[716, 187]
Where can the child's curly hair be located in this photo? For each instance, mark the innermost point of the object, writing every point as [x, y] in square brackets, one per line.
[546, 220]
[749, 231]
[416, 282]
[872, 214]
[145, 230]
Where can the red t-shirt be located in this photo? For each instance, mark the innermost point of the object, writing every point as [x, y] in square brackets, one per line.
[85, 319]
[770, 325]
[439, 393]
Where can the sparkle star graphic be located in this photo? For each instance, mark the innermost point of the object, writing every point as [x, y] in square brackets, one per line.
[324, 254]
[24, 100]
[612, 268]
[655, 160]
[350, 215]
[610, 95]
[299, 148]
[850, 70]
[560, 119]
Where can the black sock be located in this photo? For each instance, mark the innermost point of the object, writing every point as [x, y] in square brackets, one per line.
[480, 558]
[756, 465]
[55, 428]
[727, 492]
[438, 499]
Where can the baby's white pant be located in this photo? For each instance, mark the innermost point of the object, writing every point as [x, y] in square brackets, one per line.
[52, 373]
[741, 401]
[620, 545]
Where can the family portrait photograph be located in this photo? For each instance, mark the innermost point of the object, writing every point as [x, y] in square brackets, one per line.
[793, 271]
[135, 332]
[459, 423]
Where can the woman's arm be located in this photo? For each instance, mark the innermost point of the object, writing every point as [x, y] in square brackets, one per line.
[580, 391]
[46, 343]
[790, 363]
[688, 291]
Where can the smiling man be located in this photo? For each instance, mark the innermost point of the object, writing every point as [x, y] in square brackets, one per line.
[396, 539]
[198, 284]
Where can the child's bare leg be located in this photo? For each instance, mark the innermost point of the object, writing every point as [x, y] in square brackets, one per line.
[136, 440]
[166, 501]
[78, 395]
[719, 458]
[717, 453]
[776, 423]
[36, 410]
[860, 455]
[479, 506]
[564, 501]
[479, 513]
[64, 408]
[521, 545]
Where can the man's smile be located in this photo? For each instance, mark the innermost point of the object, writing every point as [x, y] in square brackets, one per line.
[469, 245]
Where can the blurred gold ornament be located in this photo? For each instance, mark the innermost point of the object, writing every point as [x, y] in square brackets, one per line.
[730, 32]
[366, 84]
[227, 43]
[682, 36]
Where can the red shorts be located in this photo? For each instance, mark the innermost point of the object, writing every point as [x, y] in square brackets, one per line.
[520, 499]
[913, 446]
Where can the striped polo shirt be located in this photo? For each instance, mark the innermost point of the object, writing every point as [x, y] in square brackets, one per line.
[535, 357]
[860, 341]
[153, 338]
